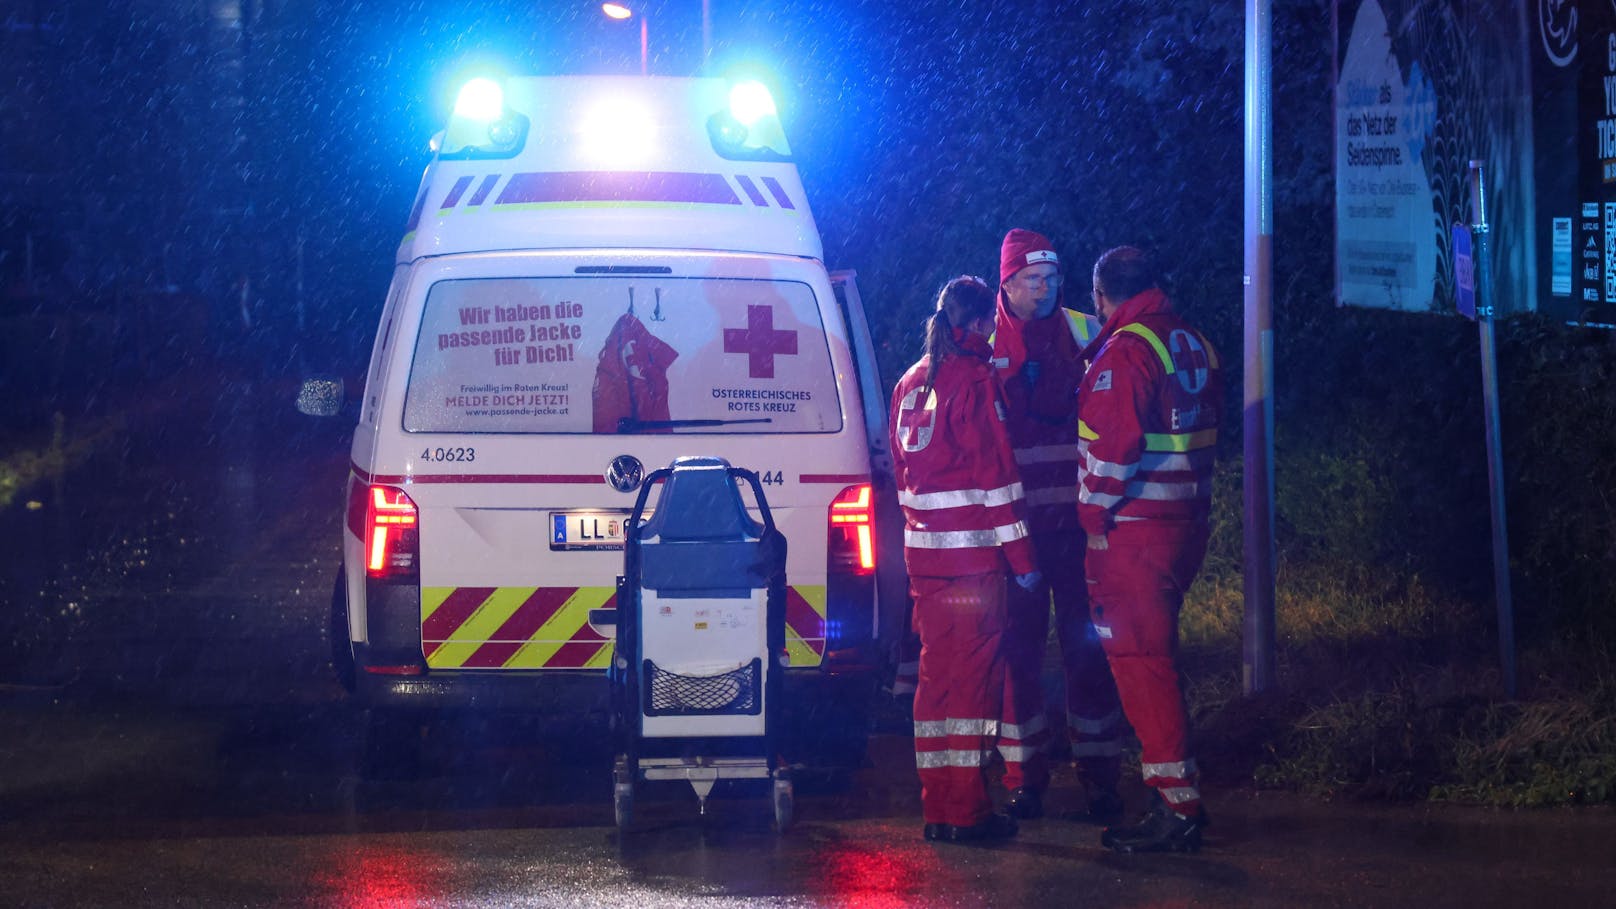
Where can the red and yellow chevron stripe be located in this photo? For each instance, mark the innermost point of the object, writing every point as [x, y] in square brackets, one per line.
[805, 624]
[513, 627]
[548, 627]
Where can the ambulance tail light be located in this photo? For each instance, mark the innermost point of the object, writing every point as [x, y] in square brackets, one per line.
[850, 581]
[851, 547]
[392, 533]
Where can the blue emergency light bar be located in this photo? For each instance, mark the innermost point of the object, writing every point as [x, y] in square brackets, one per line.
[617, 131]
[750, 102]
[480, 99]
[482, 127]
[750, 129]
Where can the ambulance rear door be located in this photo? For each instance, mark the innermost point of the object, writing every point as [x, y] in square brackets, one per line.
[892, 582]
[539, 389]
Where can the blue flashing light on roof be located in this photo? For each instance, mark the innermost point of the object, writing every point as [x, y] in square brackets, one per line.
[748, 129]
[750, 102]
[482, 126]
[480, 99]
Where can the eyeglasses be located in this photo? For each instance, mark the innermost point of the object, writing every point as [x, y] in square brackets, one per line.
[1039, 282]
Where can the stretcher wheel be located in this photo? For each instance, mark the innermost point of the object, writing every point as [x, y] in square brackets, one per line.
[785, 804]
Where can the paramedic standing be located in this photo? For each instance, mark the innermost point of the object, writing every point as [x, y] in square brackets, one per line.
[963, 529]
[1148, 418]
[1037, 347]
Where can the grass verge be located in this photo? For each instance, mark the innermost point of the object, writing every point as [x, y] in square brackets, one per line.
[1388, 689]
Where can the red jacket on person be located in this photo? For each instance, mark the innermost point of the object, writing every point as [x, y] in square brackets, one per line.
[1040, 364]
[1148, 418]
[962, 499]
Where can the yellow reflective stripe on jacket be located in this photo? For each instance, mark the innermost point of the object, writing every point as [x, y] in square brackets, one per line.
[1181, 441]
[1082, 326]
[1163, 441]
[1154, 341]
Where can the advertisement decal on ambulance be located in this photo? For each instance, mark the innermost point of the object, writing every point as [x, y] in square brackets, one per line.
[603, 354]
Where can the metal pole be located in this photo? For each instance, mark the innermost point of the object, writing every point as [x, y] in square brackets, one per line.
[706, 34]
[1258, 399]
[1495, 449]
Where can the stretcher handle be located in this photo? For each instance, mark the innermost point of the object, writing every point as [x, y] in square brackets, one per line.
[662, 473]
[655, 477]
[751, 477]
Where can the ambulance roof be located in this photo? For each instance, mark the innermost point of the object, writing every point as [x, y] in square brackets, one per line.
[635, 162]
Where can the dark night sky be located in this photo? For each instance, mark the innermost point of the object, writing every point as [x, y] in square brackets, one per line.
[190, 147]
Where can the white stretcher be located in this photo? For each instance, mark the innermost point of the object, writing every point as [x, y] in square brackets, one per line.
[700, 638]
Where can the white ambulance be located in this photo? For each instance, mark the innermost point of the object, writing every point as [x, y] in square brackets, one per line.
[599, 275]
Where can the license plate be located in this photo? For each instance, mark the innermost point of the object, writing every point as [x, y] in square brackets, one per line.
[588, 529]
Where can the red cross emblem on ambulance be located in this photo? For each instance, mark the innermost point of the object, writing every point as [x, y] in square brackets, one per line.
[760, 341]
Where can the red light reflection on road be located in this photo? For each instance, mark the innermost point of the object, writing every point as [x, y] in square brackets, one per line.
[382, 877]
[872, 878]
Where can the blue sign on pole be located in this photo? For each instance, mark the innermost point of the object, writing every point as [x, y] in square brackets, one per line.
[1464, 272]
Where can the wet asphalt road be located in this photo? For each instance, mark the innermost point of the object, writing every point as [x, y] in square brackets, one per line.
[170, 736]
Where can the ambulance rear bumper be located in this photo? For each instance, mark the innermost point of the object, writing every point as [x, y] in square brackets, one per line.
[559, 692]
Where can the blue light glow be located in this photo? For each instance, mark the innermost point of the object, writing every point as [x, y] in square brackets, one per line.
[750, 102]
[617, 131]
[480, 99]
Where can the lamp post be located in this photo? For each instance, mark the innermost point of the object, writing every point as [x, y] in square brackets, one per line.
[620, 11]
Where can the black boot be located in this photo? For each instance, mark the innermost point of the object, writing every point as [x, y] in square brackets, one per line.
[1105, 807]
[993, 827]
[1025, 803]
[1160, 830]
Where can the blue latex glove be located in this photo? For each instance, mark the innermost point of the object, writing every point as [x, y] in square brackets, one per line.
[1030, 581]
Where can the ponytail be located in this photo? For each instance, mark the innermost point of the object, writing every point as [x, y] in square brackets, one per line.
[939, 344]
[962, 301]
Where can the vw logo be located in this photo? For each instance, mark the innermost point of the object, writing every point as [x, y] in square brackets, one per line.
[625, 473]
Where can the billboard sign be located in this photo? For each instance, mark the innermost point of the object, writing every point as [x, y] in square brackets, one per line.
[1526, 86]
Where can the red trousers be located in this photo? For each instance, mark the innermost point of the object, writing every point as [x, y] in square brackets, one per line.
[1136, 588]
[907, 672]
[960, 692]
[1093, 714]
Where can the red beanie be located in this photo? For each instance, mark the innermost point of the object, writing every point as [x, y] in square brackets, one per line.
[1022, 248]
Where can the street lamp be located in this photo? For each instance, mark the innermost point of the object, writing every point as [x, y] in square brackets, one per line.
[619, 11]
